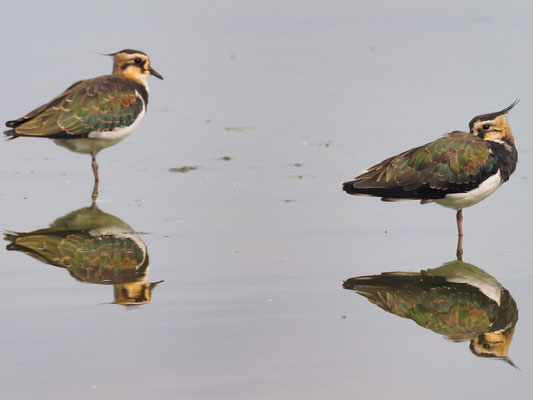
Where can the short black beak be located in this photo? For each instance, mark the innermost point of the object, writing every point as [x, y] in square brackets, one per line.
[155, 73]
[154, 284]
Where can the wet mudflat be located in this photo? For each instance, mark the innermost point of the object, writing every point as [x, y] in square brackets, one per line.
[229, 192]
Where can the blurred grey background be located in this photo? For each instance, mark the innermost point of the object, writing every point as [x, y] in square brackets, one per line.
[300, 95]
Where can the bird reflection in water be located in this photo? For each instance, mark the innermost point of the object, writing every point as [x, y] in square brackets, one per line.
[95, 247]
[457, 300]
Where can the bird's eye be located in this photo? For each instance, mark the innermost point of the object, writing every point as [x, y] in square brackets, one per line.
[486, 346]
[486, 127]
[137, 60]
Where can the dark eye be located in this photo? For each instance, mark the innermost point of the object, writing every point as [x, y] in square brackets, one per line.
[486, 346]
[138, 61]
[486, 127]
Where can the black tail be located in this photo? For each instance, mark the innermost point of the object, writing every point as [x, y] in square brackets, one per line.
[13, 124]
[386, 194]
[11, 237]
[11, 133]
[394, 280]
[350, 188]
[395, 193]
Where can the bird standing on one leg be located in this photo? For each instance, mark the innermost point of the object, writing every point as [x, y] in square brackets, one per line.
[457, 170]
[95, 113]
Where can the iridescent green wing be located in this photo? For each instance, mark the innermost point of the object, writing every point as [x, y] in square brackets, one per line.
[454, 160]
[96, 259]
[95, 105]
[450, 310]
[459, 315]
[103, 259]
[42, 247]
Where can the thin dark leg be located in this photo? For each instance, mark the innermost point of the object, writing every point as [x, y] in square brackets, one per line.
[96, 179]
[459, 217]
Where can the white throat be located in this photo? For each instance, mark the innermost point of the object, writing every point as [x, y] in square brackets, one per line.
[144, 82]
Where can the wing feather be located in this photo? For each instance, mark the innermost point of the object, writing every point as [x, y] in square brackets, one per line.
[453, 163]
[95, 105]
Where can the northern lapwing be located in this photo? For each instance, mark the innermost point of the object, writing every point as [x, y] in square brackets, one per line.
[95, 113]
[457, 300]
[457, 170]
[94, 247]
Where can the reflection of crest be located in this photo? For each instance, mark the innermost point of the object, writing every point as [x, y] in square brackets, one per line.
[95, 247]
[457, 300]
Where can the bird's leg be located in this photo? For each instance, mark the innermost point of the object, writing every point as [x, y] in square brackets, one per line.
[96, 179]
[459, 217]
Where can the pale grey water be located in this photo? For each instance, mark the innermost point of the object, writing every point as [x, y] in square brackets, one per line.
[301, 95]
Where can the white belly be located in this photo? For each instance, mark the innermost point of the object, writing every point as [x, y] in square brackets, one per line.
[87, 145]
[459, 201]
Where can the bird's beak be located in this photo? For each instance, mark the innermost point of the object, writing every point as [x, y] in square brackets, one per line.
[154, 284]
[155, 73]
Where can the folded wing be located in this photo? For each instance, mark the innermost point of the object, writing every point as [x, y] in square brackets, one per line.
[455, 163]
[95, 105]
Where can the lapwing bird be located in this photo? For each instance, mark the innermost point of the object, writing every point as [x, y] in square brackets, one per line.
[457, 170]
[95, 113]
[94, 247]
[457, 300]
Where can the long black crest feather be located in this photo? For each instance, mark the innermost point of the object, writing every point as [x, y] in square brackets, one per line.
[491, 116]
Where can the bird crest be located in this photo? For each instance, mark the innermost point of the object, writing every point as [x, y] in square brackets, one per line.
[493, 126]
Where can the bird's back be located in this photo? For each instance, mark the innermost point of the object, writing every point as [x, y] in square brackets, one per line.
[454, 163]
[94, 105]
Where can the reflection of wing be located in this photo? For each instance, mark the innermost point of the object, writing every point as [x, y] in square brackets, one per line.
[456, 310]
[96, 259]
[95, 105]
[458, 300]
[94, 246]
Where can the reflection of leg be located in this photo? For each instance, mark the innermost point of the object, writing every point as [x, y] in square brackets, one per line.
[96, 180]
[95, 167]
[459, 217]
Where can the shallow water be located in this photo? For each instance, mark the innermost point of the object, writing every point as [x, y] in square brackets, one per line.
[232, 184]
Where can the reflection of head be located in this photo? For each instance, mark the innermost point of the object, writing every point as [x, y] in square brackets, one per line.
[493, 344]
[133, 293]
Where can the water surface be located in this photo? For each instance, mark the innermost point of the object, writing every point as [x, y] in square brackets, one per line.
[272, 105]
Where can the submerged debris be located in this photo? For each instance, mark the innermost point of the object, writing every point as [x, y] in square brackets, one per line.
[183, 169]
[239, 129]
[326, 144]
